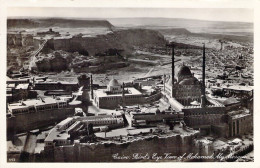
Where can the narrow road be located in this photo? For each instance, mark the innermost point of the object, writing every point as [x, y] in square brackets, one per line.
[30, 143]
[33, 57]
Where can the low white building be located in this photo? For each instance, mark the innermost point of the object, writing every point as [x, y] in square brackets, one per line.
[114, 96]
[35, 105]
[58, 136]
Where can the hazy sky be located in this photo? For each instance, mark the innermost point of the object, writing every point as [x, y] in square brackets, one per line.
[216, 14]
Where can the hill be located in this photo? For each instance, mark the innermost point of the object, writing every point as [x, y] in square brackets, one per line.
[192, 25]
[56, 22]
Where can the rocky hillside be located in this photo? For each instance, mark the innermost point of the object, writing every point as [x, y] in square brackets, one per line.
[124, 40]
[174, 31]
[57, 61]
[56, 22]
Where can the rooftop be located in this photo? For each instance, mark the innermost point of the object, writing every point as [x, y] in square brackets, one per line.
[22, 86]
[11, 85]
[10, 79]
[235, 87]
[100, 117]
[54, 134]
[230, 101]
[131, 91]
[56, 82]
[65, 121]
[32, 102]
[239, 115]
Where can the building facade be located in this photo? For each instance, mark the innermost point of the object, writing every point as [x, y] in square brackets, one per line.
[186, 87]
[240, 123]
[36, 105]
[116, 95]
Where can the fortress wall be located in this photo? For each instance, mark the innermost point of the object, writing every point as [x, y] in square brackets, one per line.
[209, 119]
[29, 121]
[176, 145]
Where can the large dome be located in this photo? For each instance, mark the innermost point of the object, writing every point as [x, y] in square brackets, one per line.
[184, 71]
[113, 82]
[189, 81]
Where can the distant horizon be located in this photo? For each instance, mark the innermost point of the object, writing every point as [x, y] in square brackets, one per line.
[204, 14]
[81, 18]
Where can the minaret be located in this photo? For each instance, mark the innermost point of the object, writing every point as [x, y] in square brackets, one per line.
[164, 82]
[123, 94]
[173, 71]
[91, 87]
[203, 97]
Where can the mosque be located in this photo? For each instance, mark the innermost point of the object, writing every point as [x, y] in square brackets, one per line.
[186, 94]
[116, 94]
[187, 88]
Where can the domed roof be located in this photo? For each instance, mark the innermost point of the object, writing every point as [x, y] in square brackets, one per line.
[189, 81]
[113, 82]
[184, 71]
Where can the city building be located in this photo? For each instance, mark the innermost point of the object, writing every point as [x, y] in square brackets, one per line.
[116, 95]
[146, 118]
[103, 120]
[60, 134]
[235, 90]
[23, 92]
[56, 85]
[49, 32]
[17, 81]
[145, 81]
[36, 105]
[9, 92]
[240, 122]
[231, 103]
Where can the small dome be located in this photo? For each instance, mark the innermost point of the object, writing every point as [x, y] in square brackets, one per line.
[184, 71]
[113, 82]
[189, 81]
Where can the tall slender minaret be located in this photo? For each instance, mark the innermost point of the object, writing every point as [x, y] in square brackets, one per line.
[173, 70]
[164, 80]
[91, 87]
[123, 94]
[203, 96]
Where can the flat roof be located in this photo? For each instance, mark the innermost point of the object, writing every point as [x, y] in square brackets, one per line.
[239, 113]
[10, 79]
[55, 134]
[22, 86]
[235, 87]
[33, 102]
[147, 88]
[236, 116]
[65, 121]
[10, 85]
[56, 82]
[102, 92]
[99, 117]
